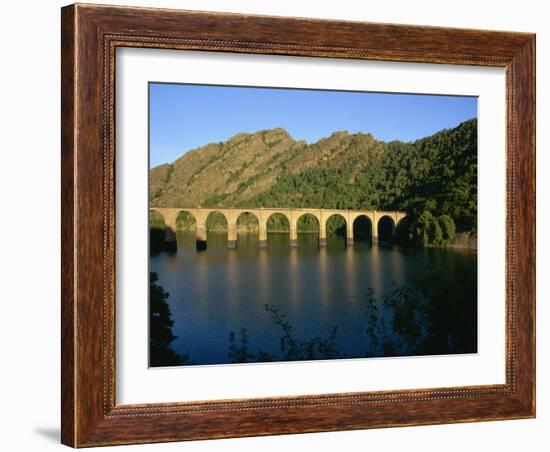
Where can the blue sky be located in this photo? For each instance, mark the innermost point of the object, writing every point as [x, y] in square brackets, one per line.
[183, 117]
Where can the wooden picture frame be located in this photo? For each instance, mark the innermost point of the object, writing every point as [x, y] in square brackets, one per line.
[90, 36]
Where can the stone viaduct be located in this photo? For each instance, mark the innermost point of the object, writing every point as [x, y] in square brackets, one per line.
[170, 215]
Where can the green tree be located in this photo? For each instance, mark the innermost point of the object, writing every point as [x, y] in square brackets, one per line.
[448, 228]
[160, 327]
[156, 232]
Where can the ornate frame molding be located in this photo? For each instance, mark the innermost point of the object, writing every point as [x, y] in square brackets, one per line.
[90, 36]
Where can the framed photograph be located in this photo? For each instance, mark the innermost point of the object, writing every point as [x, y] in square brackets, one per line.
[281, 225]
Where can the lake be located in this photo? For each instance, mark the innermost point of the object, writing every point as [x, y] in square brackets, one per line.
[282, 303]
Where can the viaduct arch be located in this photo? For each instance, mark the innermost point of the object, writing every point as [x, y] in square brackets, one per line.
[200, 215]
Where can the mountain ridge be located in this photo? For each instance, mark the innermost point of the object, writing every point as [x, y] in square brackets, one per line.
[273, 150]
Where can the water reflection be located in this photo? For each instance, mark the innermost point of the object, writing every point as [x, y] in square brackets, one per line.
[337, 301]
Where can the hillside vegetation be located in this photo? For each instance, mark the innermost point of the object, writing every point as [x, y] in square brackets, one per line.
[433, 179]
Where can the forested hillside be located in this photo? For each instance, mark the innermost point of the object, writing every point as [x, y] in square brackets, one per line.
[433, 179]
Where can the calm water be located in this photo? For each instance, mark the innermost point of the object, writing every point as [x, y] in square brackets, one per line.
[423, 301]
